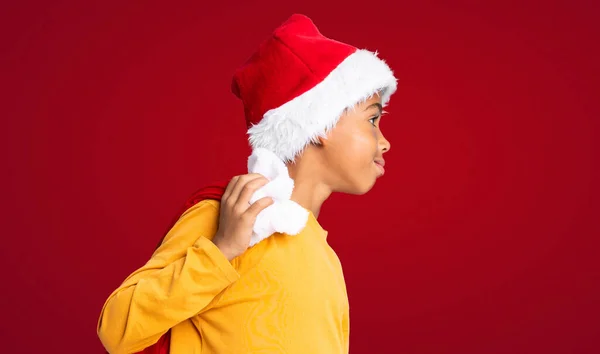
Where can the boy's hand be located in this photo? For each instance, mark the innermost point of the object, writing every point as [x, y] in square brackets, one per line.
[237, 216]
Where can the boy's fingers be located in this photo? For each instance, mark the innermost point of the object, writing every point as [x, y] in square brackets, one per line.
[248, 191]
[229, 187]
[241, 183]
[259, 206]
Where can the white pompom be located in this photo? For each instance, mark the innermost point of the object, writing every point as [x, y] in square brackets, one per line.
[284, 215]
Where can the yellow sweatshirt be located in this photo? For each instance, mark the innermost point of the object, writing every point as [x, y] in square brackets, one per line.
[286, 294]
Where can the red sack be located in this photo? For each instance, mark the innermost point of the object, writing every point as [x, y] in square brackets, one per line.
[209, 192]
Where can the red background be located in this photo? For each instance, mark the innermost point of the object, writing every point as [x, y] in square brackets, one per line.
[481, 238]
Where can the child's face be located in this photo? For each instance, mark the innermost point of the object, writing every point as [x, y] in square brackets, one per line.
[354, 149]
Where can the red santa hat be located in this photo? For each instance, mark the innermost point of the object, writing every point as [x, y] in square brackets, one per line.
[298, 84]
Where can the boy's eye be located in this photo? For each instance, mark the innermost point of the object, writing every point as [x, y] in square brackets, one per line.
[373, 120]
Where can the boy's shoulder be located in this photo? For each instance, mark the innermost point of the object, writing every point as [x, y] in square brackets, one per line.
[205, 206]
[201, 219]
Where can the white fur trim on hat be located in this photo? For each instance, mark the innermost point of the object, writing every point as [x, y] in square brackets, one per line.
[289, 128]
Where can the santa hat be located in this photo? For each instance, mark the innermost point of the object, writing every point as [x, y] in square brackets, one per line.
[298, 84]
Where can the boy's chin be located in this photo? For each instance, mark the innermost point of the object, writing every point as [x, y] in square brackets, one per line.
[360, 189]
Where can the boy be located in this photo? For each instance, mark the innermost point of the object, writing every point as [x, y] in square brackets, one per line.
[230, 276]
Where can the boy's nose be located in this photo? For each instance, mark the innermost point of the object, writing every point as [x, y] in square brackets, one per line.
[384, 144]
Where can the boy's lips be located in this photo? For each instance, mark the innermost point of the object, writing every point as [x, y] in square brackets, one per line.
[380, 164]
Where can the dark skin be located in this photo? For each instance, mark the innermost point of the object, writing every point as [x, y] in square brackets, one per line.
[345, 161]
[349, 161]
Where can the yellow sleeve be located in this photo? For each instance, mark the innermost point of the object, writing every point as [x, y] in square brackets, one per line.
[184, 276]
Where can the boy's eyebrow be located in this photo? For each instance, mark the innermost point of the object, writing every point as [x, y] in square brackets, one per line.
[378, 105]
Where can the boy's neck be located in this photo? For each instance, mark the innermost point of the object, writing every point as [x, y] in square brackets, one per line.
[309, 195]
[309, 190]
